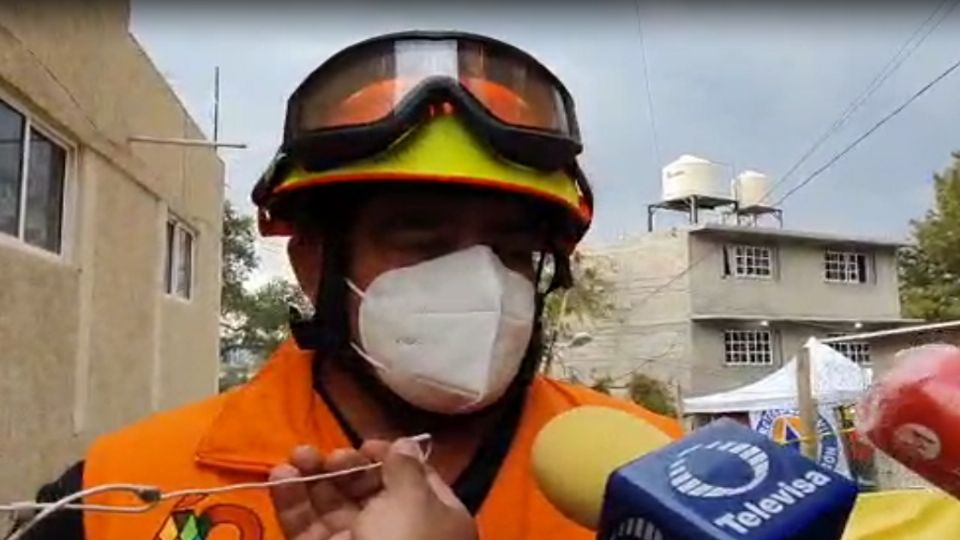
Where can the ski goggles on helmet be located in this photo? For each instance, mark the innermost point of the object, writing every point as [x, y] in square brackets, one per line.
[370, 95]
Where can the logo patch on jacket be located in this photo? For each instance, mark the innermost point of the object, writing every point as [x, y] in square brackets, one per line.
[185, 523]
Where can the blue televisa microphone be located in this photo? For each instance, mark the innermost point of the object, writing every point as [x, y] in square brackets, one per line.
[725, 482]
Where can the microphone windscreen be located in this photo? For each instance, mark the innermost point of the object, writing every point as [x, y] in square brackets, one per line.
[574, 454]
[912, 414]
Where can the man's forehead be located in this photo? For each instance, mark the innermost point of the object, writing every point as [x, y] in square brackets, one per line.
[501, 206]
[427, 194]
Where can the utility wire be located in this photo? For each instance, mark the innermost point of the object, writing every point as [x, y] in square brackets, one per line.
[837, 157]
[903, 53]
[870, 131]
[907, 49]
[646, 81]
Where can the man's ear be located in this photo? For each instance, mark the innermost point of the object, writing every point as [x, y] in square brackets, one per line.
[305, 250]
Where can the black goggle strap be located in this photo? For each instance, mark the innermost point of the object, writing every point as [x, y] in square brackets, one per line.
[532, 359]
[326, 330]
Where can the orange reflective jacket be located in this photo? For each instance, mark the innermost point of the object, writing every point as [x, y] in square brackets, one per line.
[239, 436]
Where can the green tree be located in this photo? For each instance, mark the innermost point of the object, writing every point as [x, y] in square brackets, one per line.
[239, 259]
[267, 314]
[652, 394]
[930, 267]
[566, 311]
[252, 322]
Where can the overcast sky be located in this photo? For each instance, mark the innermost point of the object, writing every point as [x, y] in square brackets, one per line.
[742, 86]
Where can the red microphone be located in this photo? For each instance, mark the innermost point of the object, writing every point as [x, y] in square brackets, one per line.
[913, 414]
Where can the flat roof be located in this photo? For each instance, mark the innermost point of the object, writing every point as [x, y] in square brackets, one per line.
[805, 236]
[707, 317]
[896, 332]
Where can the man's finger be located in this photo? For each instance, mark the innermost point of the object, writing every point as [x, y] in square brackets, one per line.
[442, 491]
[375, 449]
[403, 470]
[306, 459]
[357, 486]
[295, 513]
[337, 510]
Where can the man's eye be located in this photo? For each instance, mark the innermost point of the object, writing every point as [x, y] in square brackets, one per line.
[422, 243]
[516, 258]
[415, 237]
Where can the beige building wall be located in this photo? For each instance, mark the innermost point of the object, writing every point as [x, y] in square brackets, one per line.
[799, 289]
[88, 339]
[649, 329]
[713, 375]
[674, 304]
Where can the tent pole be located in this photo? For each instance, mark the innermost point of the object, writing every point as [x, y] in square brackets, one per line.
[807, 405]
[678, 399]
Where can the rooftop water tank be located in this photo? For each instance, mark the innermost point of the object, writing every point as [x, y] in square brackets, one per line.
[690, 176]
[752, 189]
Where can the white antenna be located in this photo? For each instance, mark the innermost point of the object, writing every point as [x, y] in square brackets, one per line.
[216, 104]
[179, 141]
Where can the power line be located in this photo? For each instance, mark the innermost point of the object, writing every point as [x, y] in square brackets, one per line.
[903, 53]
[856, 142]
[870, 131]
[646, 82]
[644, 299]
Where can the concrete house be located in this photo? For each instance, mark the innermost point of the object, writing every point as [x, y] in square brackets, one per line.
[710, 306]
[109, 248]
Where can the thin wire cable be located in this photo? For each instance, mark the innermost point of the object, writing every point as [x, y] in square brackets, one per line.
[646, 81]
[153, 496]
[856, 142]
[49, 509]
[837, 157]
[877, 81]
[689, 268]
[903, 53]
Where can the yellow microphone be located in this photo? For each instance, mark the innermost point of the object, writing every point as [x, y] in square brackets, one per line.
[574, 454]
[619, 475]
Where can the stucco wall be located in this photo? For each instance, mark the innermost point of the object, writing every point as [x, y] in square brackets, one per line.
[799, 289]
[648, 330]
[88, 340]
[713, 375]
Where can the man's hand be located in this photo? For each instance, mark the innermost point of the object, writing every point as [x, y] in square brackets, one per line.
[404, 500]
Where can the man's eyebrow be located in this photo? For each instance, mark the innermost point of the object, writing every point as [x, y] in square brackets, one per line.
[524, 224]
[412, 218]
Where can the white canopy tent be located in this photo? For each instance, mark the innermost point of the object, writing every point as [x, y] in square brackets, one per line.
[836, 381]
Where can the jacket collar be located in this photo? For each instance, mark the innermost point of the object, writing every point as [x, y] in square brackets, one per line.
[262, 421]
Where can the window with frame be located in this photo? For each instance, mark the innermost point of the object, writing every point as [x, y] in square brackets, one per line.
[746, 261]
[857, 351]
[32, 182]
[179, 260]
[748, 347]
[845, 266]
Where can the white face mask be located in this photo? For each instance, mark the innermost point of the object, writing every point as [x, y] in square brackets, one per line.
[447, 335]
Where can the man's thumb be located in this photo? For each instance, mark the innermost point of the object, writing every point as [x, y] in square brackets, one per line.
[403, 468]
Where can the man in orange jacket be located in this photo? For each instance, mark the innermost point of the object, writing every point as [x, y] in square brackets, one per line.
[430, 188]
